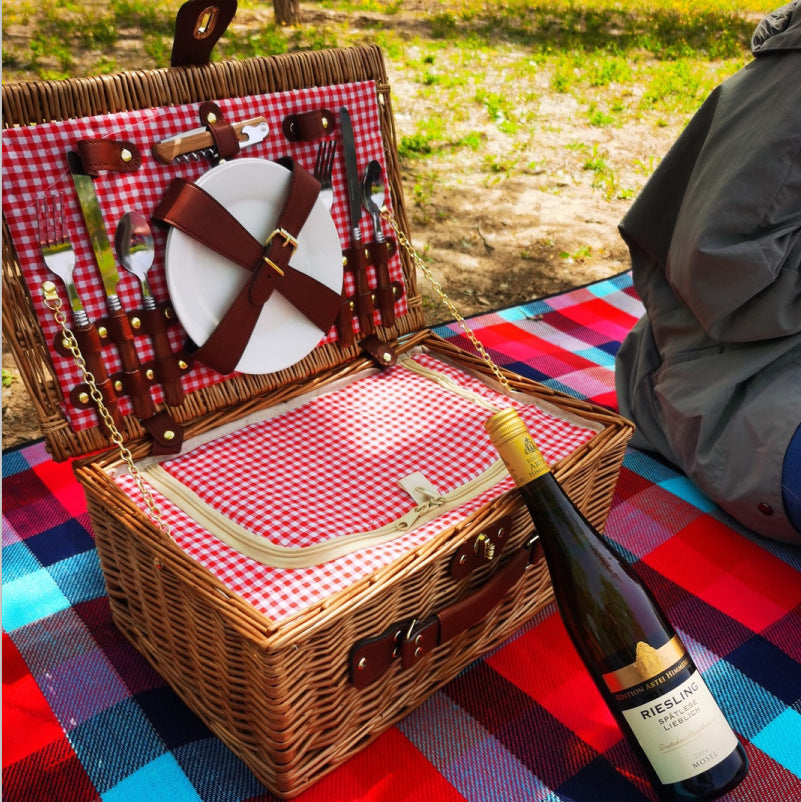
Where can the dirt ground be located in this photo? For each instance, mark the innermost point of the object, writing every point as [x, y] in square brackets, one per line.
[493, 239]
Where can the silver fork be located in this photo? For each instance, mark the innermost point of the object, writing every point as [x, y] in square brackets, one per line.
[57, 251]
[59, 257]
[323, 169]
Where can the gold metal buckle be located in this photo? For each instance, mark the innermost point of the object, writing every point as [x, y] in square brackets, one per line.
[288, 241]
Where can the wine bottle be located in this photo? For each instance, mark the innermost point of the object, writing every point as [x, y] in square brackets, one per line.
[633, 654]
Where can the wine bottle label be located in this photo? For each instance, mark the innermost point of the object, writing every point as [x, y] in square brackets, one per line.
[650, 663]
[671, 712]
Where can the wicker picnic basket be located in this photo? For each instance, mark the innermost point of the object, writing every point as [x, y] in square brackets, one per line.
[281, 694]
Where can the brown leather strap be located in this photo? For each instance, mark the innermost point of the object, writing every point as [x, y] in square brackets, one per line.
[308, 126]
[135, 384]
[198, 26]
[356, 260]
[193, 211]
[100, 155]
[345, 322]
[411, 642]
[383, 354]
[91, 347]
[167, 371]
[226, 141]
[384, 294]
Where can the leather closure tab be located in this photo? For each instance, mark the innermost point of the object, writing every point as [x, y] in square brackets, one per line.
[103, 155]
[371, 658]
[309, 125]
[381, 353]
[167, 434]
[482, 548]
[421, 639]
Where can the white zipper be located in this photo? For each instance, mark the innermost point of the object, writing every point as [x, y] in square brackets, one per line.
[269, 553]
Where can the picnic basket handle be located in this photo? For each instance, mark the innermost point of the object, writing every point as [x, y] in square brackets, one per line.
[199, 24]
[410, 640]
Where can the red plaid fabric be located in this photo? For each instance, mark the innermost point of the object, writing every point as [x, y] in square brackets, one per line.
[35, 164]
[331, 467]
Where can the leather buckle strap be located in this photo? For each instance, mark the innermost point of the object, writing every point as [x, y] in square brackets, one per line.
[196, 213]
[289, 241]
[411, 640]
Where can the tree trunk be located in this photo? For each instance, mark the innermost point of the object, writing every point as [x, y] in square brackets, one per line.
[287, 12]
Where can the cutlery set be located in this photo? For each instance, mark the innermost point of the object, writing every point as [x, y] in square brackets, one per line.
[135, 250]
[367, 193]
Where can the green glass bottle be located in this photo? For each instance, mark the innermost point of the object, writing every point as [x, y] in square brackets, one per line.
[630, 649]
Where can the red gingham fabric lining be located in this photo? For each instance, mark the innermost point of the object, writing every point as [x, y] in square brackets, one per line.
[331, 467]
[35, 163]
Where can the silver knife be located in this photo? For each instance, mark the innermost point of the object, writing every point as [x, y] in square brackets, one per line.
[356, 257]
[136, 384]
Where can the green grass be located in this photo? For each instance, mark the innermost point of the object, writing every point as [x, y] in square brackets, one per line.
[647, 63]
[603, 37]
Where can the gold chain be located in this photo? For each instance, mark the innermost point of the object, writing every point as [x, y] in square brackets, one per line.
[426, 271]
[53, 303]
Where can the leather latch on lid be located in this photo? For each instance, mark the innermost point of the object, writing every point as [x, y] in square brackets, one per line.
[371, 657]
[482, 548]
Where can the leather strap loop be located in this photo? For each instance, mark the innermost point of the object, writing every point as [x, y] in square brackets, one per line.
[355, 258]
[384, 295]
[226, 141]
[193, 211]
[167, 370]
[309, 125]
[101, 155]
[134, 382]
[345, 332]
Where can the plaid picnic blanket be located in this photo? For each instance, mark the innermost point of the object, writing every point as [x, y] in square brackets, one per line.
[85, 717]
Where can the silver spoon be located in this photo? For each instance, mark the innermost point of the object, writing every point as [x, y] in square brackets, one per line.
[373, 194]
[133, 242]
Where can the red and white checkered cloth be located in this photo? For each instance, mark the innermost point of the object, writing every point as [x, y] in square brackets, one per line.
[331, 467]
[35, 164]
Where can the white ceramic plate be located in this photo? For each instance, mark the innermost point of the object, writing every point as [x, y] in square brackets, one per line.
[203, 284]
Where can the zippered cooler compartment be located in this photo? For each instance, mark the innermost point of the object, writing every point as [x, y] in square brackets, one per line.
[336, 484]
